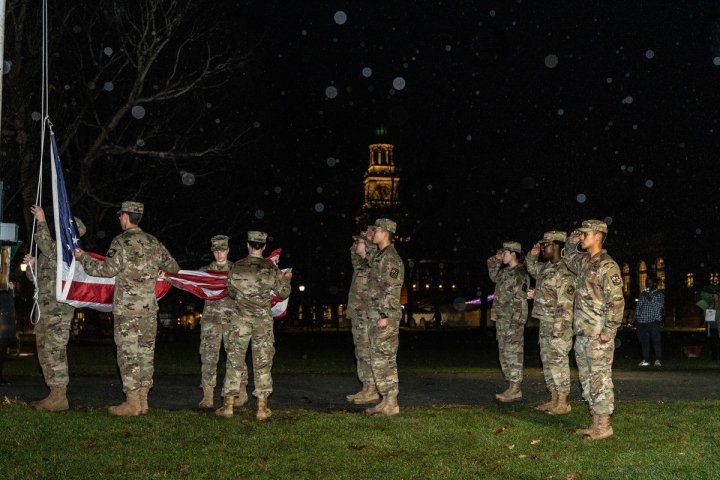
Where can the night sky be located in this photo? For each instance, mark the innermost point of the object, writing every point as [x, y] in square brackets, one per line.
[508, 119]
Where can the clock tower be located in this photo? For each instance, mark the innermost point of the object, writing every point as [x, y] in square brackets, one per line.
[381, 180]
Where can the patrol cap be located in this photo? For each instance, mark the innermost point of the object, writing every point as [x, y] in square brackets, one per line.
[219, 242]
[360, 236]
[553, 236]
[80, 226]
[132, 207]
[386, 224]
[254, 236]
[593, 226]
[512, 247]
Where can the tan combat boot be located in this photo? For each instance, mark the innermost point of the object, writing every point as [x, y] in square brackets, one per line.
[227, 409]
[56, 402]
[512, 394]
[361, 393]
[143, 400]
[241, 399]
[562, 406]
[207, 401]
[130, 407]
[37, 404]
[389, 409]
[602, 430]
[544, 407]
[263, 412]
[586, 431]
[371, 396]
[377, 408]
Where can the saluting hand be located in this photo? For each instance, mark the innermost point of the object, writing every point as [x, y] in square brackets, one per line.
[536, 249]
[574, 236]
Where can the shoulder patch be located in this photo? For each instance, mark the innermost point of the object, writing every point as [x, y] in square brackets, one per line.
[394, 272]
[616, 280]
[111, 253]
[570, 290]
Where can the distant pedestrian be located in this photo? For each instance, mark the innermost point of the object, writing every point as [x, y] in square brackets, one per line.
[648, 319]
[599, 306]
[134, 259]
[510, 312]
[712, 328]
[553, 307]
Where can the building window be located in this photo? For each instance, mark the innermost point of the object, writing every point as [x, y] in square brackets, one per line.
[342, 310]
[660, 272]
[714, 280]
[626, 278]
[642, 274]
[327, 312]
[689, 280]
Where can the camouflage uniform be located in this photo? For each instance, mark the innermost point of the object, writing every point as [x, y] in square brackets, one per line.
[357, 307]
[385, 280]
[249, 283]
[553, 306]
[509, 312]
[52, 331]
[599, 306]
[134, 259]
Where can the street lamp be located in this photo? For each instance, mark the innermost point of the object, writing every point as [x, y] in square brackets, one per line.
[301, 288]
[23, 266]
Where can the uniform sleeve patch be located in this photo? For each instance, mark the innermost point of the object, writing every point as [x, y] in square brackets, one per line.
[616, 280]
[570, 290]
[111, 253]
[394, 272]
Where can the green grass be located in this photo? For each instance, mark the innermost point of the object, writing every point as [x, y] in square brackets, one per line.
[652, 440]
[332, 352]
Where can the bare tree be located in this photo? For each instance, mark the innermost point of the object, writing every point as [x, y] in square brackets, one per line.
[138, 92]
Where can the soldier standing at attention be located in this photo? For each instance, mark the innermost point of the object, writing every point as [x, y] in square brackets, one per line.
[509, 312]
[134, 259]
[358, 303]
[52, 331]
[249, 283]
[554, 295]
[215, 325]
[385, 280]
[599, 306]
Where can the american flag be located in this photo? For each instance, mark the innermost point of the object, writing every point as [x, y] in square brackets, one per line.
[81, 290]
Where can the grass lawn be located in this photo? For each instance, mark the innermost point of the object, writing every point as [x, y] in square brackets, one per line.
[652, 441]
[468, 351]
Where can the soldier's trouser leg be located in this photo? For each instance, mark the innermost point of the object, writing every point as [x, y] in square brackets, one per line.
[263, 352]
[511, 344]
[545, 355]
[594, 361]
[52, 333]
[361, 339]
[559, 362]
[238, 339]
[135, 340]
[383, 357]
[210, 340]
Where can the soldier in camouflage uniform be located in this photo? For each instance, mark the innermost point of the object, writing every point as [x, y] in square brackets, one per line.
[134, 259]
[215, 325]
[509, 312]
[249, 283]
[385, 281]
[599, 306]
[358, 303]
[554, 295]
[52, 330]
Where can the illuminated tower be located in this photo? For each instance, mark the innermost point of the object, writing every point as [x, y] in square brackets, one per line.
[381, 180]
